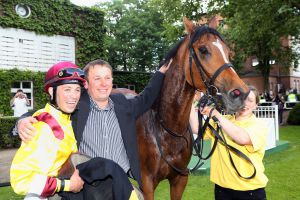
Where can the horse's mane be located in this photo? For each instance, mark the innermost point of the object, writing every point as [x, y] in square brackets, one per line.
[200, 30]
[172, 52]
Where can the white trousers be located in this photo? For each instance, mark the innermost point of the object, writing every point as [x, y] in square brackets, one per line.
[32, 196]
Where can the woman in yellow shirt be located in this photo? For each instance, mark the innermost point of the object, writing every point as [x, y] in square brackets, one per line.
[36, 164]
[246, 133]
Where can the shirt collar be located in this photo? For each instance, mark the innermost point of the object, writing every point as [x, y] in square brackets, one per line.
[96, 107]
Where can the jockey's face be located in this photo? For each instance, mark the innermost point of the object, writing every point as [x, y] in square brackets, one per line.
[67, 97]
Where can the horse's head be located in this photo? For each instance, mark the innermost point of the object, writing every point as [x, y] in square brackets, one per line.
[208, 67]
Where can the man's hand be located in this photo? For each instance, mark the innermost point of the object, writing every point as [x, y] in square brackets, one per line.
[76, 183]
[25, 128]
[165, 67]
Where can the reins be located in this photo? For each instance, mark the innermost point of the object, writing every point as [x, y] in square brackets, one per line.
[198, 144]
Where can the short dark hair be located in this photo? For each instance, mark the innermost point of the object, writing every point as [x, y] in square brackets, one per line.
[94, 63]
[19, 90]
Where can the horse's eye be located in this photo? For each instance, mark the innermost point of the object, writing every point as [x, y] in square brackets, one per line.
[203, 50]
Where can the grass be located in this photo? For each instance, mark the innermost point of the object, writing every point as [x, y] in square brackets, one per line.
[282, 169]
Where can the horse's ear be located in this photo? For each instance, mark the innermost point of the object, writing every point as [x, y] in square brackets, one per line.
[214, 22]
[189, 26]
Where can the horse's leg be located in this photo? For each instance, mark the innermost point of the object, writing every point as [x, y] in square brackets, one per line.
[177, 185]
[148, 187]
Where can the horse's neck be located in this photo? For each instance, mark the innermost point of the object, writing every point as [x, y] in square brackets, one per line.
[176, 99]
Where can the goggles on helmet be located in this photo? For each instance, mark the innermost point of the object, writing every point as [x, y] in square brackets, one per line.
[70, 72]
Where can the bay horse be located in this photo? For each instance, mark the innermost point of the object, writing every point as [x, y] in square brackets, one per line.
[200, 62]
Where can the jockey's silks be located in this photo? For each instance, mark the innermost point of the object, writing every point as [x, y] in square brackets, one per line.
[37, 162]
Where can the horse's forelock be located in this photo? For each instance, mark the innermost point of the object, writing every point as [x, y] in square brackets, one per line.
[201, 30]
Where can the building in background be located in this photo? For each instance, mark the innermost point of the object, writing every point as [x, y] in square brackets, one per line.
[34, 35]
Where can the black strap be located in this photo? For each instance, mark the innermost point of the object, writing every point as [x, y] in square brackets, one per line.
[218, 72]
[62, 185]
[198, 144]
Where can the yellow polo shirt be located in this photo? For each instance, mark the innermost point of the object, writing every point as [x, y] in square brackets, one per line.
[222, 172]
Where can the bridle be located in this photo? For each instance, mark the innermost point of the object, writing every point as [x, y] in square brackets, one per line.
[202, 71]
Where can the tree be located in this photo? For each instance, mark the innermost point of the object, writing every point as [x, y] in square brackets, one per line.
[173, 12]
[134, 35]
[257, 28]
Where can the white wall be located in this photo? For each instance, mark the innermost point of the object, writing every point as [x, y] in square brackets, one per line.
[26, 50]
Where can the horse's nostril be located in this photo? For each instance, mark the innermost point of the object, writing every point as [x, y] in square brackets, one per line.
[236, 93]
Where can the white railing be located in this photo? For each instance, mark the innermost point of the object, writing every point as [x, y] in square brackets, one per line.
[270, 115]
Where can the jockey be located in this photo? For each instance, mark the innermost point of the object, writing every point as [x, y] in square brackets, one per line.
[36, 164]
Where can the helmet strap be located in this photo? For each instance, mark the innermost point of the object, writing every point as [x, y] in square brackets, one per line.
[53, 97]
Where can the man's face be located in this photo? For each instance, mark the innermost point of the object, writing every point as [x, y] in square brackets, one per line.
[21, 95]
[99, 84]
[67, 97]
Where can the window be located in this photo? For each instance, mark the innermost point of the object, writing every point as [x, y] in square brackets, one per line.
[27, 88]
[131, 87]
[115, 86]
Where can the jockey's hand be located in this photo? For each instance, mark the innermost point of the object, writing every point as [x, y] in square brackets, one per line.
[25, 128]
[76, 183]
[165, 67]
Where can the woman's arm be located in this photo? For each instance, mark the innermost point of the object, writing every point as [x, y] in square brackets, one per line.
[236, 133]
[194, 120]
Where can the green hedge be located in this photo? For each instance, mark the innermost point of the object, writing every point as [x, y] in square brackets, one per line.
[294, 115]
[60, 17]
[139, 79]
[8, 141]
[7, 77]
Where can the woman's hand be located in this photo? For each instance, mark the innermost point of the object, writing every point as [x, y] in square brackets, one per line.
[209, 111]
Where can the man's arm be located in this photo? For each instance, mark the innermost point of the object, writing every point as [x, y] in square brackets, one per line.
[27, 100]
[23, 127]
[142, 102]
[12, 101]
